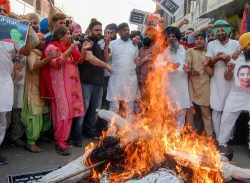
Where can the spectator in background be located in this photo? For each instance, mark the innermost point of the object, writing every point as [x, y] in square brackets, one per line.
[123, 56]
[219, 53]
[69, 25]
[35, 114]
[199, 80]
[210, 36]
[7, 52]
[136, 38]
[235, 35]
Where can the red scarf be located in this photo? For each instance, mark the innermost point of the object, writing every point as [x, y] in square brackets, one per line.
[45, 83]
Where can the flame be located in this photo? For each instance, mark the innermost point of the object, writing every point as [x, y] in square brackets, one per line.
[155, 137]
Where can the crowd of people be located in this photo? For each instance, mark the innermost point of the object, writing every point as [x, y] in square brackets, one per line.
[55, 82]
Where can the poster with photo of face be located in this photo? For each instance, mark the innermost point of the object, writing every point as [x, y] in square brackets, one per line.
[242, 75]
[13, 31]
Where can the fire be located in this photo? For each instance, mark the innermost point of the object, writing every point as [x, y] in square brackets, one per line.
[154, 138]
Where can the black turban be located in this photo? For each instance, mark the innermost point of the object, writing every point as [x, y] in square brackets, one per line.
[174, 30]
[122, 26]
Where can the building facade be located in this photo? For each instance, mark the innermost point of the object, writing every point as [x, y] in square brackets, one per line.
[203, 12]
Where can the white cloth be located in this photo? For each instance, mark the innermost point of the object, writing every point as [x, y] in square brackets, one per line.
[177, 89]
[3, 124]
[7, 53]
[220, 88]
[228, 120]
[101, 43]
[216, 118]
[123, 83]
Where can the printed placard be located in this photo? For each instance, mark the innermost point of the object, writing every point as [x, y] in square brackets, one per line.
[13, 31]
[171, 7]
[138, 17]
[242, 75]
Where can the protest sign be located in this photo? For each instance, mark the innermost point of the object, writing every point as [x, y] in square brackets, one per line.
[27, 178]
[242, 75]
[138, 17]
[13, 31]
[171, 7]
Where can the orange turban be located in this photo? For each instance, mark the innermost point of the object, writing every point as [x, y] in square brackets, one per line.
[6, 5]
[41, 36]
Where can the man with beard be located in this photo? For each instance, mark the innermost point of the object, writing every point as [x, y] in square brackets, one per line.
[77, 32]
[145, 60]
[199, 80]
[210, 36]
[219, 53]
[174, 58]
[238, 99]
[92, 79]
[123, 85]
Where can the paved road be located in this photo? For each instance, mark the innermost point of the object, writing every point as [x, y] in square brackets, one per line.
[22, 161]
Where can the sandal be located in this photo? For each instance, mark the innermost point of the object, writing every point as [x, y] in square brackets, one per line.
[33, 148]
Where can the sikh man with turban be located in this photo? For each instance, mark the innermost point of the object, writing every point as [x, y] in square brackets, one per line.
[219, 54]
[7, 52]
[238, 99]
[173, 59]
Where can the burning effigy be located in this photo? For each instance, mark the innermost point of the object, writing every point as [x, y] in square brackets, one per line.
[151, 147]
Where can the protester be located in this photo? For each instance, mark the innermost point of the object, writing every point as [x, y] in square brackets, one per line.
[219, 53]
[92, 80]
[123, 84]
[199, 80]
[173, 58]
[68, 102]
[145, 60]
[7, 52]
[55, 20]
[77, 32]
[16, 129]
[34, 21]
[35, 112]
[238, 99]
[210, 36]
[109, 32]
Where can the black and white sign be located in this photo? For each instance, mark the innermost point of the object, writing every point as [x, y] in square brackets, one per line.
[138, 17]
[172, 7]
[27, 178]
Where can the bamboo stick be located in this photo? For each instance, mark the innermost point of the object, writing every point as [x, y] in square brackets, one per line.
[79, 172]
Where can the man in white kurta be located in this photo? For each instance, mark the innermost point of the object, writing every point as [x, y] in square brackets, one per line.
[177, 88]
[219, 53]
[239, 97]
[7, 53]
[123, 84]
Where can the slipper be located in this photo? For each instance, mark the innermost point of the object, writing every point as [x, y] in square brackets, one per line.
[33, 148]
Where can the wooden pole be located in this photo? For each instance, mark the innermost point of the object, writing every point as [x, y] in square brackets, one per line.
[79, 172]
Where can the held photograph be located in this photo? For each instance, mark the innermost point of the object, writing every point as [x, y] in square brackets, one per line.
[242, 76]
[13, 31]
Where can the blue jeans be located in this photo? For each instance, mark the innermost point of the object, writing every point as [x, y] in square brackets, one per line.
[92, 96]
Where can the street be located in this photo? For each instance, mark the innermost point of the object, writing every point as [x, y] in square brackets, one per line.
[22, 161]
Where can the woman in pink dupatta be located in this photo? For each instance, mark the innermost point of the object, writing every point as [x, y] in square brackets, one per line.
[64, 74]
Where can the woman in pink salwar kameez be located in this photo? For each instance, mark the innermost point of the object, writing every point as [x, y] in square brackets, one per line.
[64, 74]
